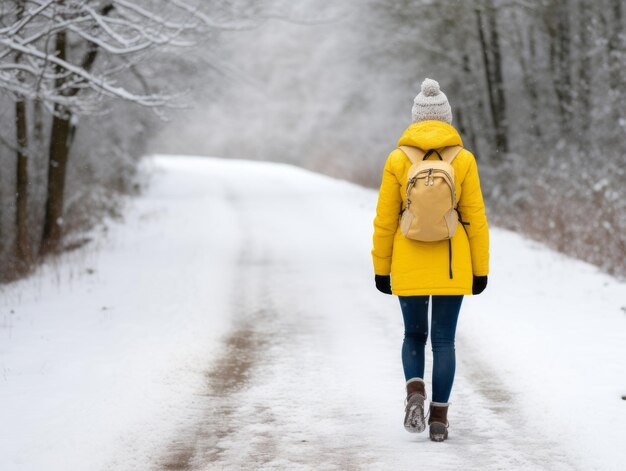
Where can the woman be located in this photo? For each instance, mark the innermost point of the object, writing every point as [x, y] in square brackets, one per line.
[440, 272]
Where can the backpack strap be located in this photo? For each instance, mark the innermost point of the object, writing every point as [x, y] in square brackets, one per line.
[450, 153]
[415, 154]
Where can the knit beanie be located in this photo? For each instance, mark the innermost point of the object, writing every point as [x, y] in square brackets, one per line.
[431, 103]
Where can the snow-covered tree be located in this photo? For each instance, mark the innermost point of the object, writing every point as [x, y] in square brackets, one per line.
[73, 57]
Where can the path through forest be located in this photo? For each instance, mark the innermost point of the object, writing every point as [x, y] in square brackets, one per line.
[230, 322]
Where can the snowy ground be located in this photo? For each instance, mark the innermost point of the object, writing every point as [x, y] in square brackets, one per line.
[231, 323]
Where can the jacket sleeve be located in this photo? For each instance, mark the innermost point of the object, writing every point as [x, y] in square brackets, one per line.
[386, 220]
[472, 209]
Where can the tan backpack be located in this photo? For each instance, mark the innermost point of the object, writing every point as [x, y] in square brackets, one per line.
[430, 214]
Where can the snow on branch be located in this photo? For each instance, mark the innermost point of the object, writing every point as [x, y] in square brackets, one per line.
[28, 17]
[97, 83]
[50, 49]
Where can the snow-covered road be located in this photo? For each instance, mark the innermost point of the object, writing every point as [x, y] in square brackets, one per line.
[232, 324]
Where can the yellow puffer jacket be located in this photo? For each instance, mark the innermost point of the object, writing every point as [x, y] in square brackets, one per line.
[423, 268]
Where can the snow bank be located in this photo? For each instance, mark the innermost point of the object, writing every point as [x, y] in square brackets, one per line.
[97, 353]
[553, 329]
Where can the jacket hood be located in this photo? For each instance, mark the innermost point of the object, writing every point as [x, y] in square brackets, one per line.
[430, 134]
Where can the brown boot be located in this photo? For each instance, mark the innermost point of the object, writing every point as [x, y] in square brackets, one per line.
[438, 422]
[414, 412]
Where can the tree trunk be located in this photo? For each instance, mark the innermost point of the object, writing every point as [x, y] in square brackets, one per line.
[58, 155]
[584, 103]
[39, 162]
[24, 252]
[531, 84]
[22, 239]
[560, 61]
[565, 63]
[61, 139]
[486, 62]
[498, 81]
[38, 137]
[493, 77]
[467, 123]
[616, 57]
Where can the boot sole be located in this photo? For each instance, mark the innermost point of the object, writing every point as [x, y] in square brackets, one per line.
[438, 432]
[414, 419]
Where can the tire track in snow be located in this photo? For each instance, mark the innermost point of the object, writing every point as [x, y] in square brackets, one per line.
[259, 411]
[493, 428]
[243, 351]
[236, 427]
[213, 414]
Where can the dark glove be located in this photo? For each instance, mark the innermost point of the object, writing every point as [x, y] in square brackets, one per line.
[479, 284]
[383, 283]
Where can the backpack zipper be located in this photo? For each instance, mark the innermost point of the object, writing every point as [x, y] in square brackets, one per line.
[430, 181]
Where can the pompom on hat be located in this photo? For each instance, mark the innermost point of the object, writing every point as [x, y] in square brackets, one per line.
[431, 103]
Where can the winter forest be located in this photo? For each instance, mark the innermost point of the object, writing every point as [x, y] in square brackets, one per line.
[187, 197]
[537, 89]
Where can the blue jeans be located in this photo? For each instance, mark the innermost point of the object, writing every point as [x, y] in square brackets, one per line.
[445, 314]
